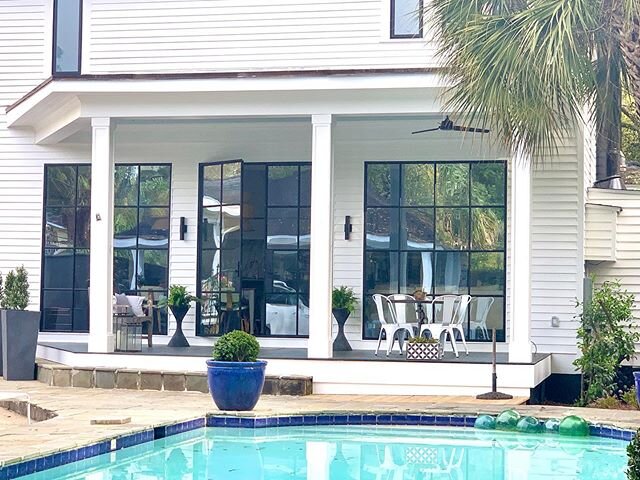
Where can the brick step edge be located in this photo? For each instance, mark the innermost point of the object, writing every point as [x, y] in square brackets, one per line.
[56, 375]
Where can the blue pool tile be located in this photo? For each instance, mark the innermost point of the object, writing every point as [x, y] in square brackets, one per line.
[399, 419]
[216, 421]
[354, 419]
[3, 473]
[606, 432]
[383, 419]
[272, 422]
[442, 421]
[594, 430]
[40, 464]
[457, 421]
[22, 469]
[413, 419]
[232, 422]
[469, 421]
[12, 471]
[627, 435]
[284, 421]
[309, 420]
[427, 420]
[340, 420]
[30, 467]
[324, 420]
[246, 422]
[260, 422]
[368, 419]
[296, 421]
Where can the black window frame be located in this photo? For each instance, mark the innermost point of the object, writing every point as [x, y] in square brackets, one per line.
[501, 335]
[419, 34]
[299, 206]
[54, 71]
[159, 328]
[44, 248]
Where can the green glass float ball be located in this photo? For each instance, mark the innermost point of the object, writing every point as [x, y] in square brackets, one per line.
[551, 425]
[507, 420]
[573, 426]
[529, 425]
[485, 422]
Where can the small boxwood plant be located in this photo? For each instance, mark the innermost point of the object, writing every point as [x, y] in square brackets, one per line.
[236, 346]
[16, 290]
[344, 298]
[421, 339]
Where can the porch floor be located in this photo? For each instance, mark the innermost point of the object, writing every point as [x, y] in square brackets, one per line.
[298, 354]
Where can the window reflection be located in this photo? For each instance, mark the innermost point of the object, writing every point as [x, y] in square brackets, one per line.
[141, 233]
[441, 230]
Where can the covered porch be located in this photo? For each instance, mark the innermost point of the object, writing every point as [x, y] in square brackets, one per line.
[237, 151]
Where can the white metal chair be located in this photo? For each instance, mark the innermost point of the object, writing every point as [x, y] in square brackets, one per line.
[479, 320]
[454, 313]
[389, 323]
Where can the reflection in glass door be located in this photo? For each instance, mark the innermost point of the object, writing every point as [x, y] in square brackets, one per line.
[254, 248]
[219, 287]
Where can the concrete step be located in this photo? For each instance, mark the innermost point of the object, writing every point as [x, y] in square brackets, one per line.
[58, 375]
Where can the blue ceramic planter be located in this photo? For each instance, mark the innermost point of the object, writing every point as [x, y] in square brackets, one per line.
[235, 385]
[636, 377]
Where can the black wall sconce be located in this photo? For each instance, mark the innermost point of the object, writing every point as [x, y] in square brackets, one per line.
[183, 227]
[348, 228]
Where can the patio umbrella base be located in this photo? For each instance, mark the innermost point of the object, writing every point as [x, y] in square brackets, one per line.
[494, 396]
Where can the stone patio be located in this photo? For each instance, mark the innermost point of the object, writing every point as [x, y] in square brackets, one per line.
[76, 408]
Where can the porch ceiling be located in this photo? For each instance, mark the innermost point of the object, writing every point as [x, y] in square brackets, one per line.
[60, 108]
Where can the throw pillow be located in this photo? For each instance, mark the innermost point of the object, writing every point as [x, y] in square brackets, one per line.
[136, 305]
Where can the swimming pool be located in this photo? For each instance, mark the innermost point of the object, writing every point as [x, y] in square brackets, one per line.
[354, 453]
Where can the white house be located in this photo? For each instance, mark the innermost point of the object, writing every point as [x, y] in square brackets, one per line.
[266, 129]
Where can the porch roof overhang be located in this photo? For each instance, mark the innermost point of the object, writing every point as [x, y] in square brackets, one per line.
[61, 107]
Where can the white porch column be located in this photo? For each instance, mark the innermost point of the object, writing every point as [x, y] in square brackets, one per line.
[321, 265]
[520, 338]
[101, 263]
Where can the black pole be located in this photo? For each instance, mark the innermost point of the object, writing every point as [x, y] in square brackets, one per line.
[494, 394]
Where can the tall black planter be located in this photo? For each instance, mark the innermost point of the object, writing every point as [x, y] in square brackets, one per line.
[341, 344]
[19, 341]
[178, 339]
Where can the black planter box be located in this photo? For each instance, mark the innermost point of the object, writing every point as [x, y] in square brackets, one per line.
[19, 332]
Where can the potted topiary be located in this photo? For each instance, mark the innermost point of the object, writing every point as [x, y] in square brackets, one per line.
[18, 327]
[235, 375]
[343, 303]
[423, 348]
[179, 302]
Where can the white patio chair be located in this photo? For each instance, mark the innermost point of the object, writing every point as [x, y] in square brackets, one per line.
[16, 396]
[389, 323]
[479, 320]
[454, 313]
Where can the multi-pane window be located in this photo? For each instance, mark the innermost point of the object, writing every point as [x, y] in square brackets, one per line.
[67, 32]
[288, 241]
[65, 268]
[142, 195]
[438, 228]
[254, 248]
[406, 18]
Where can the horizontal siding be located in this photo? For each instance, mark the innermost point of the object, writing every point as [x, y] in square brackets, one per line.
[138, 36]
[556, 254]
[626, 268]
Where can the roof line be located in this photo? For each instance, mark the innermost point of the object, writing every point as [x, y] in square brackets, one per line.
[217, 75]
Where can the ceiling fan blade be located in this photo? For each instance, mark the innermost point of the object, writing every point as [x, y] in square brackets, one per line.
[427, 130]
[459, 128]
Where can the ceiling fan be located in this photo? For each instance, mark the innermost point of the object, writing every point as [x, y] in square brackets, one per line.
[448, 125]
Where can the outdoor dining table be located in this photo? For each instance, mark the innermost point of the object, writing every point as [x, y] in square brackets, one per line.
[422, 316]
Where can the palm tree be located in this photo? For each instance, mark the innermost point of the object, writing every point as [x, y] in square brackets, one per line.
[532, 68]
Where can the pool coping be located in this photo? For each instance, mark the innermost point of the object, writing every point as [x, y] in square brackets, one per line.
[20, 467]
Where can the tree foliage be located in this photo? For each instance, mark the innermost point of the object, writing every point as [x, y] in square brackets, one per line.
[236, 346]
[528, 68]
[605, 339]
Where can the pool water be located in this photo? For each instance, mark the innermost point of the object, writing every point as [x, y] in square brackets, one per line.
[355, 453]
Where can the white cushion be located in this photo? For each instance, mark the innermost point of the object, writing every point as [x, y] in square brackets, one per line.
[136, 305]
